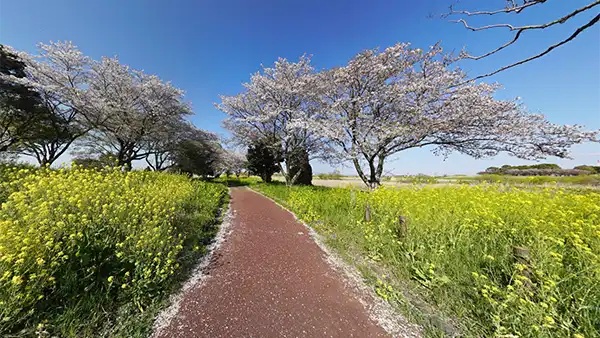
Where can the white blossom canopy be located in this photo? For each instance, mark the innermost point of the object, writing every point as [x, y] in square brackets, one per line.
[384, 102]
[130, 107]
[274, 108]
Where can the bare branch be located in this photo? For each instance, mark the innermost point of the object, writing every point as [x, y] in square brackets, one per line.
[521, 29]
[516, 6]
[512, 8]
[573, 36]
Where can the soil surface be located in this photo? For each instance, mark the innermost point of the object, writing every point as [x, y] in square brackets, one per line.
[269, 279]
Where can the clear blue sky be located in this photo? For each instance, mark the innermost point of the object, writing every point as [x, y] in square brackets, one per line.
[209, 48]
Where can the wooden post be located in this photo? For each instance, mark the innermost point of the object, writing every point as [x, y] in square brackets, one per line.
[402, 228]
[521, 255]
[368, 213]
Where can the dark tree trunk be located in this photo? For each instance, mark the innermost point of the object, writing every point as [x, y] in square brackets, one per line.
[299, 164]
[266, 178]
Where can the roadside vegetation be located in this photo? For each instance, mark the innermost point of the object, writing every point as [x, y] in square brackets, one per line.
[484, 260]
[85, 252]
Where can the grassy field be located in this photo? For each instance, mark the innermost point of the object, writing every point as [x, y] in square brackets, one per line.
[592, 180]
[86, 253]
[575, 182]
[484, 260]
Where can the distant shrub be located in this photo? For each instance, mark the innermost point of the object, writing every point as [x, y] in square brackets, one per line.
[542, 170]
[591, 168]
[533, 166]
[336, 175]
[491, 170]
[545, 172]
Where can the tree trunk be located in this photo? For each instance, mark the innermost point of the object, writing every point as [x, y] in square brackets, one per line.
[373, 181]
[286, 173]
[44, 162]
[127, 165]
[266, 178]
[361, 174]
[300, 170]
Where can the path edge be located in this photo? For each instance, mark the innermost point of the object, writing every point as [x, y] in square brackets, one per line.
[378, 310]
[197, 276]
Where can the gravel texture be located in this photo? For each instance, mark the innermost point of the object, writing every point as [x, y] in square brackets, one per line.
[268, 279]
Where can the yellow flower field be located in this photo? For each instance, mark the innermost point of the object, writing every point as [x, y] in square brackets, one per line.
[110, 237]
[495, 260]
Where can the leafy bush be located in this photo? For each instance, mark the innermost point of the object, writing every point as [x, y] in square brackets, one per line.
[77, 244]
[331, 176]
[591, 168]
[458, 249]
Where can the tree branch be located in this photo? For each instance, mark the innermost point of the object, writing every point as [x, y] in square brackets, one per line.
[521, 29]
[573, 36]
[508, 9]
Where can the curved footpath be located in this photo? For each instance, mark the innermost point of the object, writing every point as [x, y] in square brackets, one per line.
[269, 279]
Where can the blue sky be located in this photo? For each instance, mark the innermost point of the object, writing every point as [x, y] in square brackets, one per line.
[209, 48]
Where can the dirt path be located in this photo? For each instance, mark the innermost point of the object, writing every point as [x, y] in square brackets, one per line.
[269, 279]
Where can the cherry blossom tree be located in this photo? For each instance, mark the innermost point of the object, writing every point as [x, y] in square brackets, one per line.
[514, 8]
[274, 107]
[129, 107]
[198, 154]
[58, 75]
[121, 112]
[232, 162]
[163, 144]
[385, 102]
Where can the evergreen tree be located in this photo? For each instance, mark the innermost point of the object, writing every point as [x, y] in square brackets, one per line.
[21, 108]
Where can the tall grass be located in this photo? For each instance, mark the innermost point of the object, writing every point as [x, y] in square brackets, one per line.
[494, 260]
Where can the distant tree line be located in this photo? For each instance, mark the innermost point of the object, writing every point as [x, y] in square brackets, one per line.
[591, 168]
[543, 169]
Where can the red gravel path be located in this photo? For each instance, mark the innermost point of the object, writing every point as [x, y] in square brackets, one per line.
[269, 279]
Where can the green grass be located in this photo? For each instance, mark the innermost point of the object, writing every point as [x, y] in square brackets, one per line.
[453, 268]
